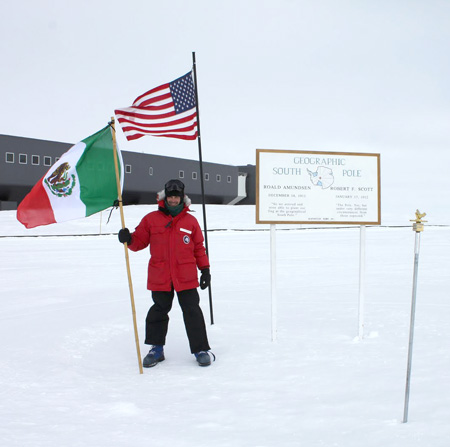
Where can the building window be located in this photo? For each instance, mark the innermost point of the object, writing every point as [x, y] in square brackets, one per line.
[35, 160]
[47, 161]
[9, 157]
[206, 176]
[218, 178]
[150, 170]
[194, 176]
[23, 159]
[229, 178]
[128, 169]
[181, 174]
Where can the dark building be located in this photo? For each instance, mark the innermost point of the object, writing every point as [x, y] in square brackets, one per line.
[23, 161]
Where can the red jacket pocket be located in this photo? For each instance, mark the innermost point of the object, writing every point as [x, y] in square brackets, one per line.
[187, 269]
[158, 273]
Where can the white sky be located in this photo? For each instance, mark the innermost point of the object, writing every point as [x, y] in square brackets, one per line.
[330, 75]
[325, 75]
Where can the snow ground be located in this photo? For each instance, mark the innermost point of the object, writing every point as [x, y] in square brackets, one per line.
[69, 373]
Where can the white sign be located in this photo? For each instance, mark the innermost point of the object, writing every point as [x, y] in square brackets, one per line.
[305, 187]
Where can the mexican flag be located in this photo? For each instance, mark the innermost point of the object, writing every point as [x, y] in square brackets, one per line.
[82, 182]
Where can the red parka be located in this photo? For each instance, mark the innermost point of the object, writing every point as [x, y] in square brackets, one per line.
[176, 249]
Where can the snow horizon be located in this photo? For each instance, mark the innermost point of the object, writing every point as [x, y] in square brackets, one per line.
[70, 374]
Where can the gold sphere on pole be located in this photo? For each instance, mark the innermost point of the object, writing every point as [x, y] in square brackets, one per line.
[418, 221]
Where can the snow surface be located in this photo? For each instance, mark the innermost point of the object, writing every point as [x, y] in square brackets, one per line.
[69, 372]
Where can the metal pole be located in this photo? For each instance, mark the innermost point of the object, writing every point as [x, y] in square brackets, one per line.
[418, 228]
[273, 282]
[362, 278]
[202, 178]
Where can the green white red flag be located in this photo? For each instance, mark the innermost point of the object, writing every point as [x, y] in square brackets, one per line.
[82, 182]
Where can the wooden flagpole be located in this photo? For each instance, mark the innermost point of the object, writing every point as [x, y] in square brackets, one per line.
[127, 259]
[202, 179]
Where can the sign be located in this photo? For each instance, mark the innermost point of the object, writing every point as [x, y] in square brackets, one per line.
[304, 187]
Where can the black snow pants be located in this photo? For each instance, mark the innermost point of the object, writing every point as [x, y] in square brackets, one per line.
[157, 321]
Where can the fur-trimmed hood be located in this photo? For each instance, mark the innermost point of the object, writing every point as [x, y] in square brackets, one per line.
[161, 195]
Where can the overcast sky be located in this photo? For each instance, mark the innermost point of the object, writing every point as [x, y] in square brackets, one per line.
[329, 75]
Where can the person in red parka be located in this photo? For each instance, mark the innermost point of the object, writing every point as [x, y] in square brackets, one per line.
[176, 252]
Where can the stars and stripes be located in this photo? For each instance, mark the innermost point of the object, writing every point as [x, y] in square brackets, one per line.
[165, 111]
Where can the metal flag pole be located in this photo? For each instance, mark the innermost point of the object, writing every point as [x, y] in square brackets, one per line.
[418, 228]
[202, 178]
[125, 245]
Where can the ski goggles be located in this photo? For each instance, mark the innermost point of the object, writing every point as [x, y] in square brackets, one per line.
[174, 186]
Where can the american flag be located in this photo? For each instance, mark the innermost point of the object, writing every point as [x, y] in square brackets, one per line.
[165, 111]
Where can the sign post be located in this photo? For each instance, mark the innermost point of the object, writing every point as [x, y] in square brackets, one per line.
[362, 280]
[273, 279]
[310, 187]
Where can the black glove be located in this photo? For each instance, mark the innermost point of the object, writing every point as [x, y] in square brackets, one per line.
[124, 236]
[205, 279]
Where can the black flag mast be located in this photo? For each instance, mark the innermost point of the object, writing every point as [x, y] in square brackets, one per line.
[202, 179]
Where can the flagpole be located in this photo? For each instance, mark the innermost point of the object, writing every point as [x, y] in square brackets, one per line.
[202, 178]
[127, 259]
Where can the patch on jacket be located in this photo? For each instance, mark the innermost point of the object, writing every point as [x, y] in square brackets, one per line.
[186, 239]
[185, 231]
